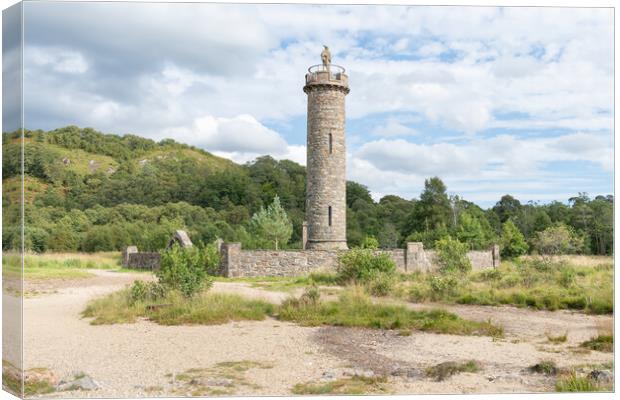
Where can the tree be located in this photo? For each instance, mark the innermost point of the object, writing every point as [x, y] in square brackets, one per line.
[272, 223]
[513, 242]
[469, 230]
[433, 210]
[452, 255]
[507, 207]
[556, 240]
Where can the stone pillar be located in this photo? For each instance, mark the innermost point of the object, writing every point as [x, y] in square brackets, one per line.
[229, 258]
[218, 244]
[304, 235]
[413, 256]
[125, 255]
[496, 258]
[326, 209]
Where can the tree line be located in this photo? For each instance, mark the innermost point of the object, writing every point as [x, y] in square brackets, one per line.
[154, 188]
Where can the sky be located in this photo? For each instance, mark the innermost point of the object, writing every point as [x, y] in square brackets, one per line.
[492, 100]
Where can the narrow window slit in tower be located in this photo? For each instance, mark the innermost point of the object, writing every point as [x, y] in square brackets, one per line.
[330, 143]
[329, 215]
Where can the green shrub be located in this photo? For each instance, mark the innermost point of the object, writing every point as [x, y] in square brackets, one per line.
[452, 255]
[211, 259]
[362, 265]
[512, 241]
[443, 286]
[370, 242]
[183, 269]
[381, 284]
[146, 291]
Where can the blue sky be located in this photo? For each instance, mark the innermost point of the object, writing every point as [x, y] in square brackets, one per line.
[492, 100]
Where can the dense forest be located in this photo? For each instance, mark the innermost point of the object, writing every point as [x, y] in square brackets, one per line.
[89, 191]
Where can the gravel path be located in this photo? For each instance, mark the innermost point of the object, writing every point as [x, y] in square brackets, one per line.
[132, 360]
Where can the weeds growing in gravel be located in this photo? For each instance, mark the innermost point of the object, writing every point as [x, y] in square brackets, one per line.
[353, 385]
[557, 339]
[574, 383]
[445, 370]
[600, 343]
[546, 367]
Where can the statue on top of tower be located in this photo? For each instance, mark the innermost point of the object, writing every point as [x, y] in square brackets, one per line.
[326, 57]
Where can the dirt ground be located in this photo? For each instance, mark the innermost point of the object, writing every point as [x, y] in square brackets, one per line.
[269, 357]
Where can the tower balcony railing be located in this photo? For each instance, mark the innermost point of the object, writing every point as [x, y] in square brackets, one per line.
[323, 74]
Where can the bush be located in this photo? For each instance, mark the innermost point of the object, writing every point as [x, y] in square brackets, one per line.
[370, 242]
[183, 269]
[559, 239]
[381, 284]
[361, 265]
[443, 286]
[452, 255]
[512, 241]
[211, 259]
[146, 291]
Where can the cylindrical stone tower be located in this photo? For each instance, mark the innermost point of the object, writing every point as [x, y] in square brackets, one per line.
[326, 208]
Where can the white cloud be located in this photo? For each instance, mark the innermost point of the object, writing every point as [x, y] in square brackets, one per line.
[393, 127]
[502, 161]
[241, 134]
[58, 59]
[189, 71]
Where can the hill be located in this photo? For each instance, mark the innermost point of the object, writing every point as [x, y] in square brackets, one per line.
[89, 191]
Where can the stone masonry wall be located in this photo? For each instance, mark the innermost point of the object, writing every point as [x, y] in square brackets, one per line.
[236, 262]
[143, 260]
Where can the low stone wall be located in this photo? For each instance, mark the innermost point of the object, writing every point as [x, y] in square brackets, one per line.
[143, 260]
[236, 262]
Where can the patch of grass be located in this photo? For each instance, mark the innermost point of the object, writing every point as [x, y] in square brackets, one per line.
[38, 387]
[205, 309]
[522, 283]
[445, 370]
[221, 379]
[288, 284]
[546, 367]
[354, 385]
[355, 309]
[574, 383]
[603, 343]
[557, 339]
[11, 378]
[58, 265]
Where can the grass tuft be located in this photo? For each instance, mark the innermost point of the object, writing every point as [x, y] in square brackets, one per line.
[354, 385]
[546, 367]
[445, 370]
[557, 339]
[574, 383]
[603, 343]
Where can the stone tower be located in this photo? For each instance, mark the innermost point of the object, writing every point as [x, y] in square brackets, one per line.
[326, 209]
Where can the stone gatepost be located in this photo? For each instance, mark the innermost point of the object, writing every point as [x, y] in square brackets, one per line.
[125, 255]
[229, 259]
[496, 258]
[413, 255]
[304, 235]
